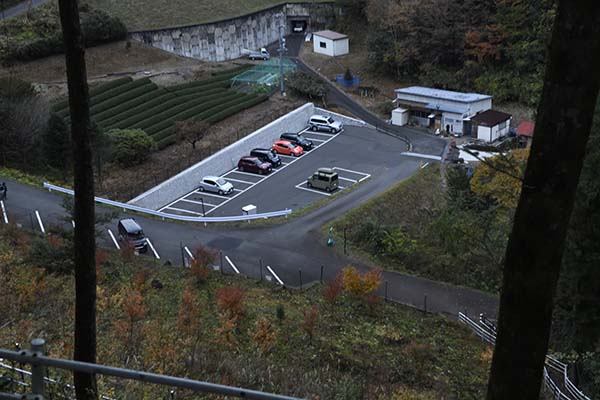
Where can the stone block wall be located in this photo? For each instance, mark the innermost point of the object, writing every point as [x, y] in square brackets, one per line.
[230, 39]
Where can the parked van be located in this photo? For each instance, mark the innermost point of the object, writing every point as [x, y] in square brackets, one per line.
[324, 179]
[131, 233]
[266, 155]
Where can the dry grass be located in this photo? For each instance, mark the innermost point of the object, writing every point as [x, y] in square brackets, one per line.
[154, 14]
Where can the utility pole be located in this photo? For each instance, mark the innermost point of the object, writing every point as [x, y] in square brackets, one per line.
[281, 50]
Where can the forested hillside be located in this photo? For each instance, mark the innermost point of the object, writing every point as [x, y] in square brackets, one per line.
[491, 46]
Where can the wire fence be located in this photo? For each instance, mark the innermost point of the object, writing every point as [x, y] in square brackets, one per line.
[565, 390]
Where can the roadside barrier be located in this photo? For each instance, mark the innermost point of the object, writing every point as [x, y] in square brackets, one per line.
[164, 215]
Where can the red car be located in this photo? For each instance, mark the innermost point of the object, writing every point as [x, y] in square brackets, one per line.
[253, 164]
[286, 147]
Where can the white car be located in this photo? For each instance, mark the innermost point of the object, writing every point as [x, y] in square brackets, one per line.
[324, 123]
[216, 185]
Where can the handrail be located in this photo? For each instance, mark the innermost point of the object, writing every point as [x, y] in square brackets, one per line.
[486, 331]
[37, 359]
[233, 218]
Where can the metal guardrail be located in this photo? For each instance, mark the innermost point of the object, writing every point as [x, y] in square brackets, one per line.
[36, 358]
[124, 206]
[486, 330]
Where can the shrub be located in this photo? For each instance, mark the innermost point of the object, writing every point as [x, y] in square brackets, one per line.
[109, 94]
[310, 321]
[334, 289]
[204, 257]
[12, 87]
[305, 84]
[98, 27]
[57, 144]
[154, 97]
[202, 89]
[264, 336]
[360, 285]
[280, 312]
[231, 301]
[130, 146]
[169, 140]
[235, 109]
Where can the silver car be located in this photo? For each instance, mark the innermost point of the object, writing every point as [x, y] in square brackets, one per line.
[324, 123]
[216, 185]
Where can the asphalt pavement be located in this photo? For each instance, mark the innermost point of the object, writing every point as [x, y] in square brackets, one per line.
[20, 8]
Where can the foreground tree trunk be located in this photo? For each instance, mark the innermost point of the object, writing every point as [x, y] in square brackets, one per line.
[84, 240]
[535, 247]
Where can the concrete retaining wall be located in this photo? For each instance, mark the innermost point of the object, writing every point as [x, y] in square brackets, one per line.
[230, 39]
[224, 160]
[339, 117]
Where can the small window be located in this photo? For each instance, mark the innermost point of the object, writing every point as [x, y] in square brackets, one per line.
[323, 45]
[209, 182]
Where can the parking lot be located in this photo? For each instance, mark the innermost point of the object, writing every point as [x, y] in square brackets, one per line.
[355, 153]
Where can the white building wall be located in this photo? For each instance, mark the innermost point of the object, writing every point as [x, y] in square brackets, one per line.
[340, 47]
[454, 120]
[470, 108]
[327, 50]
[484, 133]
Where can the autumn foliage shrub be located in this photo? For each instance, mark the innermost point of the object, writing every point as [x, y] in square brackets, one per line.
[334, 289]
[264, 335]
[310, 321]
[231, 301]
[360, 285]
[200, 265]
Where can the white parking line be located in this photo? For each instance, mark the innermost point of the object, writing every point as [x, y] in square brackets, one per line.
[365, 177]
[238, 190]
[245, 173]
[275, 275]
[239, 181]
[424, 165]
[323, 134]
[237, 271]
[209, 194]
[112, 236]
[312, 190]
[73, 223]
[351, 171]
[4, 212]
[153, 249]
[173, 202]
[347, 179]
[286, 156]
[37, 214]
[182, 210]
[199, 202]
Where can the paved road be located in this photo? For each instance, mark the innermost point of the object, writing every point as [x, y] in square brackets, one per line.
[20, 8]
[286, 248]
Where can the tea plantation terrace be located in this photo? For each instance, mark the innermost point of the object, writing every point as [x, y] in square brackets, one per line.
[141, 104]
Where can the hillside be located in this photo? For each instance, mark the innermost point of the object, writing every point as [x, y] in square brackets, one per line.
[236, 331]
[181, 12]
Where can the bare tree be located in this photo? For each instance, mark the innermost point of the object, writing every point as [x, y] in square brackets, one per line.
[191, 131]
[84, 213]
[536, 243]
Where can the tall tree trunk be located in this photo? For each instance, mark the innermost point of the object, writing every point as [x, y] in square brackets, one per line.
[535, 247]
[84, 240]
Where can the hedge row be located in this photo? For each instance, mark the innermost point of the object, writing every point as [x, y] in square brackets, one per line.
[109, 94]
[193, 104]
[194, 88]
[150, 112]
[93, 92]
[183, 113]
[128, 110]
[129, 105]
[169, 140]
[122, 98]
[157, 113]
[202, 82]
[163, 133]
[235, 109]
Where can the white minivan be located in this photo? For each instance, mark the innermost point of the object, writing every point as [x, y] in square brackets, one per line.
[324, 123]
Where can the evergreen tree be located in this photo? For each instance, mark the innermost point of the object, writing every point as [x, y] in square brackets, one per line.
[57, 144]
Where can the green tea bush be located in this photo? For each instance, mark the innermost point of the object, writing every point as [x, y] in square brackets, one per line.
[130, 146]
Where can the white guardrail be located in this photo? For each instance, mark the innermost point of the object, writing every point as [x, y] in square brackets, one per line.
[487, 332]
[124, 206]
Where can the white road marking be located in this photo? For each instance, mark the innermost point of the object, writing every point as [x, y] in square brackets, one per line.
[189, 252]
[237, 271]
[4, 216]
[275, 275]
[323, 134]
[238, 190]
[153, 249]
[240, 181]
[408, 153]
[37, 214]
[299, 186]
[199, 202]
[365, 177]
[112, 236]
[73, 223]
[286, 156]
[424, 165]
[173, 202]
[209, 194]
[185, 211]
[347, 179]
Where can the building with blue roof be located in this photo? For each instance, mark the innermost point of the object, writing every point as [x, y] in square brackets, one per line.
[437, 109]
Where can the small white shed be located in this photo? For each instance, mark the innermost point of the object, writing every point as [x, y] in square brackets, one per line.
[491, 125]
[399, 116]
[330, 43]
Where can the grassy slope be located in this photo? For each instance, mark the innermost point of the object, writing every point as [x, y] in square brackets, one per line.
[171, 13]
[357, 351]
